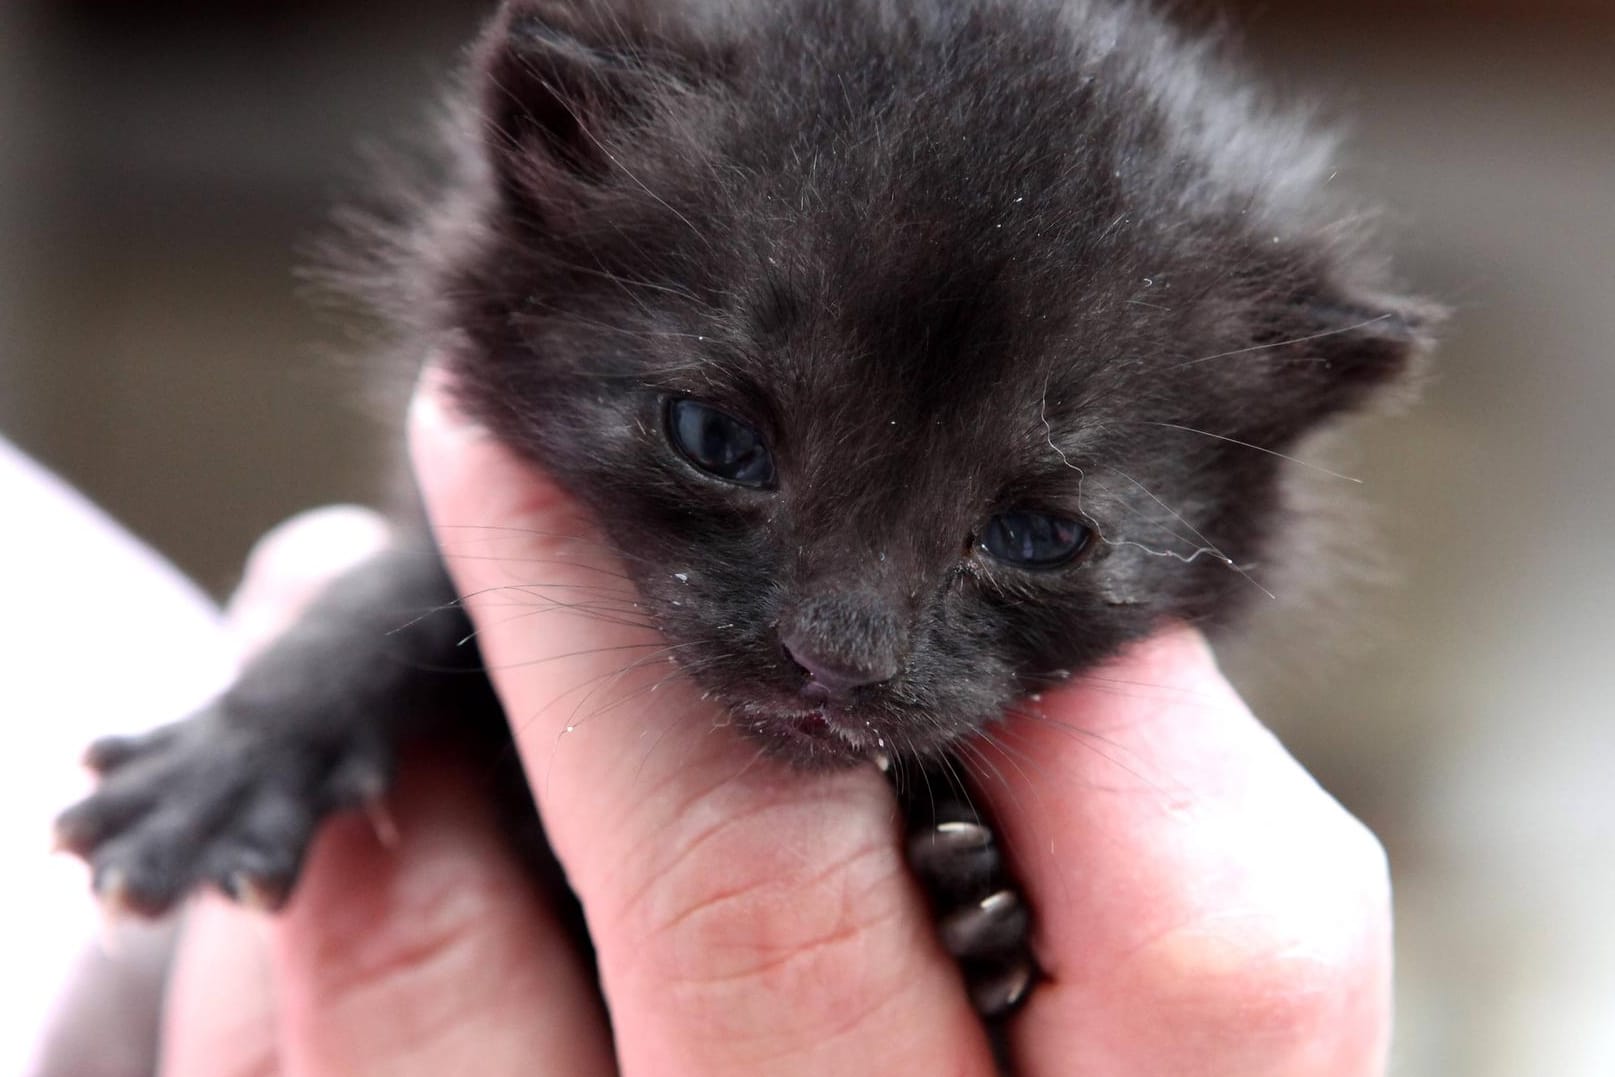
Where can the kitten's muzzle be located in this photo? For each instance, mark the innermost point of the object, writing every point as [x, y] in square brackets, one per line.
[841, 642]
[827, 681]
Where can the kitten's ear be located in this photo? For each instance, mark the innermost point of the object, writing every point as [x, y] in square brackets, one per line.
[1342, 346]
[558, 80]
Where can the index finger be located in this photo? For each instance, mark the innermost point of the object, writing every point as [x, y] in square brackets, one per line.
[746, 917]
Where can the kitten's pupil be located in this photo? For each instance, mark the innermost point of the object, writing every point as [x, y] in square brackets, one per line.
[1033, 539]
[719, 444]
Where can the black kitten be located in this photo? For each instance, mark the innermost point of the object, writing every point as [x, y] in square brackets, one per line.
[912, 354]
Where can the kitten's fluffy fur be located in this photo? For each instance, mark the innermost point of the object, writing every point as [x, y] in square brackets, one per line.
[950, 257]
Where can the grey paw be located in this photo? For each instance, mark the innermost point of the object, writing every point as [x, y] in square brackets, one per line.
[209, 801]
[981, 919]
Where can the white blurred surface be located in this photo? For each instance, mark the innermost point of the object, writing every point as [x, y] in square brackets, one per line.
[98, 635]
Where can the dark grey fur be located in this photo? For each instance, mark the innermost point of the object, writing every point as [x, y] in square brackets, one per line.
[951, 258]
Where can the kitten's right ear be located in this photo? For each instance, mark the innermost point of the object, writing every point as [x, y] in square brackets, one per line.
[557, 81]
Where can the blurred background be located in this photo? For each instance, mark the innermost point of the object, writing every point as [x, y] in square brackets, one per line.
[165, 167]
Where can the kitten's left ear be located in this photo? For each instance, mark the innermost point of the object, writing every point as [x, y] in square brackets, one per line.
[559, 82]
[1342, 346]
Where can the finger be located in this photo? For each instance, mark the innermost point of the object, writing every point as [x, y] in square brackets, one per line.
[437, 956]
[219, 1019]
[1205, 908]
[292, 562]
[746, 919]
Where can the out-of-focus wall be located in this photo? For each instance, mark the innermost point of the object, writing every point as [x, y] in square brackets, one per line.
[183, 160]
[1476, 731]
[162, 165]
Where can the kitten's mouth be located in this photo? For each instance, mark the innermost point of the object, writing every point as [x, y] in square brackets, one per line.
[821, 735]
[814, 724]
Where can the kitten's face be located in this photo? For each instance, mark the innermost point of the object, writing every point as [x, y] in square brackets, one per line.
[899, 412]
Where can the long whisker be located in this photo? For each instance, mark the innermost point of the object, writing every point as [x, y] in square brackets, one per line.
[1088, 739]
[976, 750]
[528, 663]
[593, 611]
[1281, 343]
[1246, 445]
[570, 537]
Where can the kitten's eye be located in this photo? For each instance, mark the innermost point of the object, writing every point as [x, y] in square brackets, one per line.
[719, 444]
[1033, 539]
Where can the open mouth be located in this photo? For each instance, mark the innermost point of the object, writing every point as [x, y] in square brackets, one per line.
[817, 734]
[815, 724]
[820, 725]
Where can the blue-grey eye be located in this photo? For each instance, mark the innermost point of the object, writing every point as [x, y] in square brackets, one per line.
[719, 444]
[1033, 539]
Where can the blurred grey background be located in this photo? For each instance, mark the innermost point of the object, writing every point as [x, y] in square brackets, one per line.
[165, 166]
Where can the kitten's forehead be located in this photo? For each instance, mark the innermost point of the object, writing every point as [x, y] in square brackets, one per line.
[937, 348]
[943, 341]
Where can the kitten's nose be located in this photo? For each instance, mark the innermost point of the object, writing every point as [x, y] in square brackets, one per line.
[843, 640]
[829, 679]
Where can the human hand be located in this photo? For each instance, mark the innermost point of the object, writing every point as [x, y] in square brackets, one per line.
[1203, 907]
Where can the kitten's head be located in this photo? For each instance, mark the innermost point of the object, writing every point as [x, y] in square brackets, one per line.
[913, 355]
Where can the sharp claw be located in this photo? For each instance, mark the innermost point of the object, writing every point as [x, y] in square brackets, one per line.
[66, 837]
[1000, 993]
[112, 890]
[961, 835]
[254, 893]
[940, 843]
[999, 904]
[381, 821]
[60, 841]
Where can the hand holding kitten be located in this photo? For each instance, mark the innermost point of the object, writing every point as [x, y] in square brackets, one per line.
[1203, 906]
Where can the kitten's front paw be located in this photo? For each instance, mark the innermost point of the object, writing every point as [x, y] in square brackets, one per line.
[981, 918]
[210, 800]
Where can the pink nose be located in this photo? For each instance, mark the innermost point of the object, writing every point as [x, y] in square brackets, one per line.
[827, 680]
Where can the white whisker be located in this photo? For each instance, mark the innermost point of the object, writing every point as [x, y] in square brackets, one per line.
[1281, 343]
[1247, 445]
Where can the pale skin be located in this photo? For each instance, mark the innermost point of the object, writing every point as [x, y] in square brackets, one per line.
[1203, 907]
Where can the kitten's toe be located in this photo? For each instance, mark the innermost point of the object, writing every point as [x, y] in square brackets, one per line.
[82, 828]
[146, 868]
[997, 990]
[256, 859]
[212, 800]
[955, 857]
[995, 925]
[107, 754]
[263, 893]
